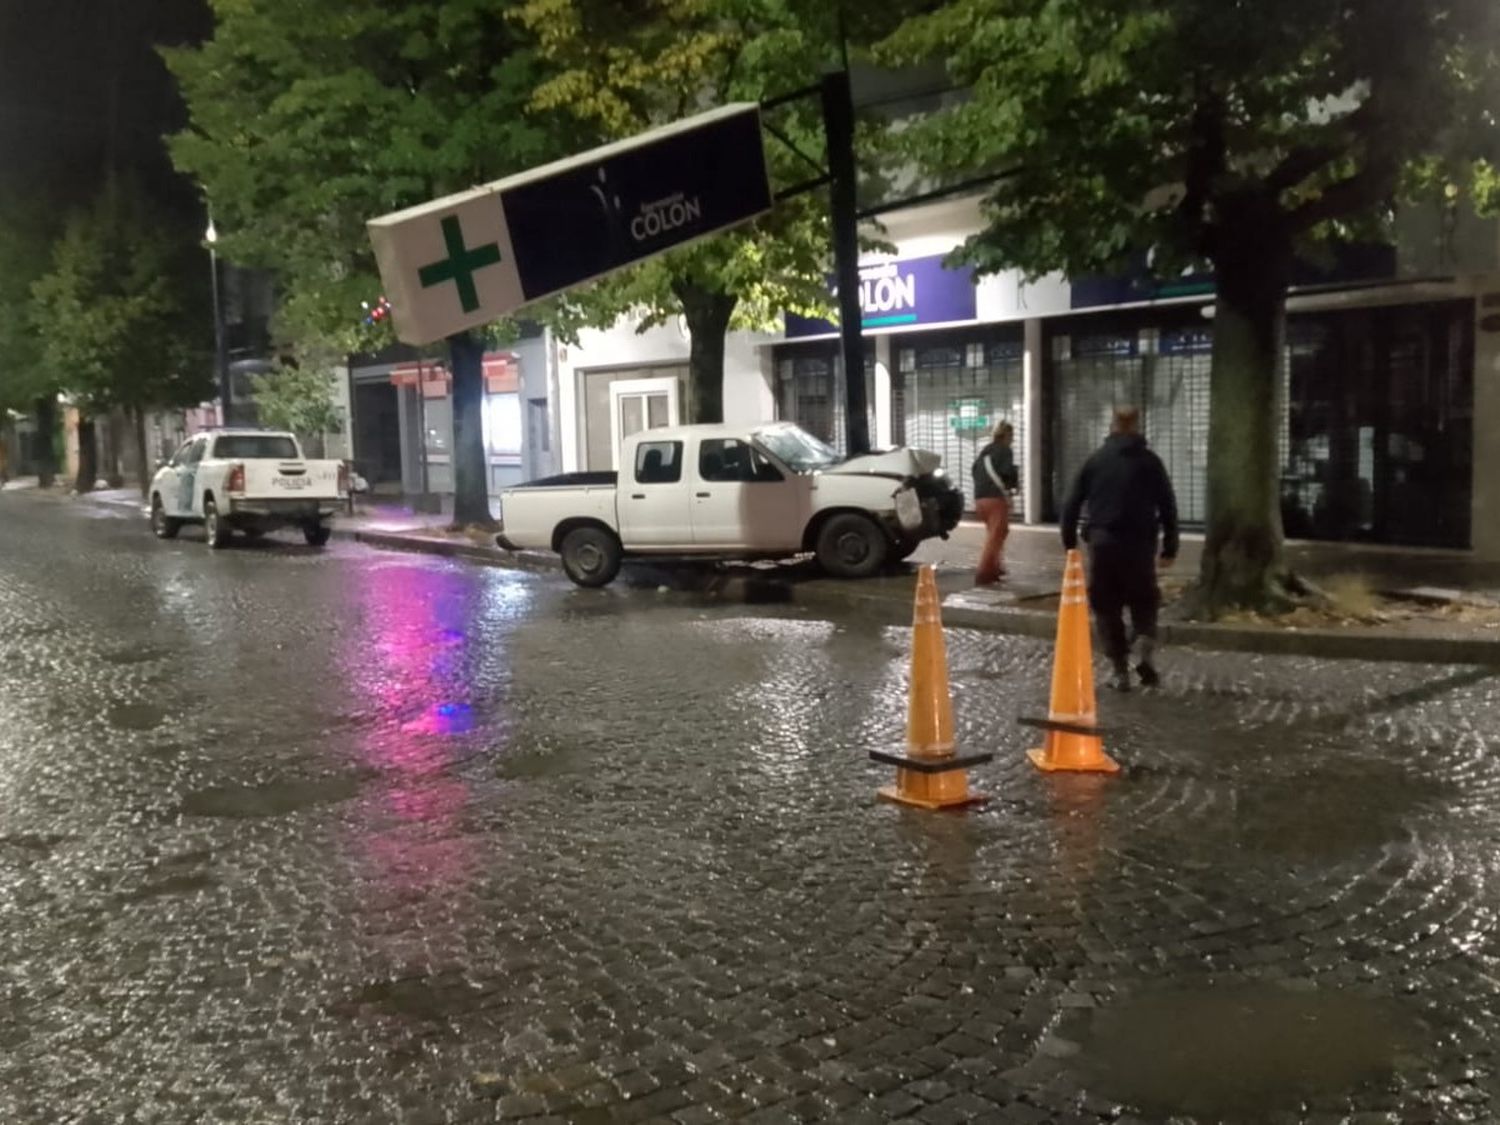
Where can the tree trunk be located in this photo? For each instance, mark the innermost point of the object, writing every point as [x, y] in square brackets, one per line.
[114, 445]
[88, 453]
[142, 459]
[46, 440]
[1242, 553]
[707, 314]
[471, 470]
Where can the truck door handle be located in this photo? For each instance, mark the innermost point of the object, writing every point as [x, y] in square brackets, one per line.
[702, 495]
[637, 495]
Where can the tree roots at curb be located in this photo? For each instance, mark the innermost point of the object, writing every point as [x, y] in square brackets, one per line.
[1281, 591]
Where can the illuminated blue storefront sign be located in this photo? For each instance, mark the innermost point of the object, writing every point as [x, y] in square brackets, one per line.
[903, 292]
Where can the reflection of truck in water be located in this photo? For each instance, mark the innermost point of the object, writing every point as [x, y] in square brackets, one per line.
[723, 492]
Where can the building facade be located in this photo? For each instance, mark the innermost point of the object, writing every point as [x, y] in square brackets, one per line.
[1389, 426]
[400, 407]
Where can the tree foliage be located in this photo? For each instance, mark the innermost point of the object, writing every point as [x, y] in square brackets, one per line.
[621, 69]
[115, 317]
[303, 128]
[299, 399]
[1218, 132]
[27, 230]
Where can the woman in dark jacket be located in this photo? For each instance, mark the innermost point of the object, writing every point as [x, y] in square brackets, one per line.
[995, 478]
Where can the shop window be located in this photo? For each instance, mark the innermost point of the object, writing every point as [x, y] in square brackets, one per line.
[437, 425]
[810, 390]
[502, 418]
[949, 394]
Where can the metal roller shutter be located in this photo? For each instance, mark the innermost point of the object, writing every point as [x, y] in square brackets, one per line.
[948, 398]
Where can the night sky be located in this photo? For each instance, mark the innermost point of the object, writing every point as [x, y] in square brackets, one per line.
[60, 63]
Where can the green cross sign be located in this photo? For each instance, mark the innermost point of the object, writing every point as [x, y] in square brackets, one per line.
[460, 265]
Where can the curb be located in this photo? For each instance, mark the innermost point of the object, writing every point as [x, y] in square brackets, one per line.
[448, 549]
[761, 587]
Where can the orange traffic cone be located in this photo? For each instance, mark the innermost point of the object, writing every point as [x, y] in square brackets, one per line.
[1072, 723]
[929, 775]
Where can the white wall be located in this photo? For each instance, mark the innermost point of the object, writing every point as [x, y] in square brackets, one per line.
[747, 386]
[340, 446]
[747, 378]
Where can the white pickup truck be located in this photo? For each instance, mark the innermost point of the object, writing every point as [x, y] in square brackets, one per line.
[765, 491]
[246, 480]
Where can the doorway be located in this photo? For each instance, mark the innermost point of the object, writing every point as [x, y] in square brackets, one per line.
[600, 420]
[377, 436]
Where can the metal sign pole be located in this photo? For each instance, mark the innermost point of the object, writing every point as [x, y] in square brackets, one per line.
[838, 125]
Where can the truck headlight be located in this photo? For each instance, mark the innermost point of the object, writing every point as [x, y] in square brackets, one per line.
[908, 509]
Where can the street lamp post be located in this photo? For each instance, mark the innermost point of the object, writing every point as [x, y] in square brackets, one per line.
[221, 356]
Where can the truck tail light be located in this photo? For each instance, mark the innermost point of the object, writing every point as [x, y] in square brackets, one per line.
[343, 478]
[236, 480]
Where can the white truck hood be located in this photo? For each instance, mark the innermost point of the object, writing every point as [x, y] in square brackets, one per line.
[901, 462]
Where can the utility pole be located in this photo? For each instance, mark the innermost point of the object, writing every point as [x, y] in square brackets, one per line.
[838, 125]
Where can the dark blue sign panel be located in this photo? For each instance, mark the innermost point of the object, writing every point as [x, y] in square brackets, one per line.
[632, 201]
[905, 291]
[1348, 263]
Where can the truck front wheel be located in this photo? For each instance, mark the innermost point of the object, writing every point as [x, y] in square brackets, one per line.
[852, 546]
[591, 556]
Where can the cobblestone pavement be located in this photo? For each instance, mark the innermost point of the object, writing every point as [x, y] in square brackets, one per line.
[344, 836]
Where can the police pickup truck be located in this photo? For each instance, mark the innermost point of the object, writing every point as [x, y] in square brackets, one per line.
[252, 481]
[724, 492]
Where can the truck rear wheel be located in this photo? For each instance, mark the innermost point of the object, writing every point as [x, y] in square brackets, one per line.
[215, 531]
[591, 556]
[316, 534]
[852, 546]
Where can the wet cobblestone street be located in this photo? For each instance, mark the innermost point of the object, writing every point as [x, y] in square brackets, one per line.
[303, 836]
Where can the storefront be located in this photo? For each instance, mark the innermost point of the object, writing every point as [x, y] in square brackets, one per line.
[1158, 363]
[1376, 426]
[949, 390]
[403, 421]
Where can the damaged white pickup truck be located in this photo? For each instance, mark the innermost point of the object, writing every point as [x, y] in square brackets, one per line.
[721, 492]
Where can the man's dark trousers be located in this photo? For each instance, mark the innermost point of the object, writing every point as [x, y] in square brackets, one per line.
[1122, 575]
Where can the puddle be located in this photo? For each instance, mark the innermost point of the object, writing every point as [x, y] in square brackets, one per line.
[1243, 1052]
[276, 798]
[171, 885]
[423, 998]
[129, 656]
[522, 767]
[39, 844]
[1327, 818]
[136, 716]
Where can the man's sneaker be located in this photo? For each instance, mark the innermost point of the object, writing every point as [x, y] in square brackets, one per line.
[1119, 679]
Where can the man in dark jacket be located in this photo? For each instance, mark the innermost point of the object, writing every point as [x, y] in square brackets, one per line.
[995, 478]
[1129, 502]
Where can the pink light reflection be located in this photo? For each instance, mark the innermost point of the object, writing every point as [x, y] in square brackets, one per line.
[410, 666]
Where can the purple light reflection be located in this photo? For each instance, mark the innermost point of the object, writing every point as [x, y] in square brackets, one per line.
[410, 667]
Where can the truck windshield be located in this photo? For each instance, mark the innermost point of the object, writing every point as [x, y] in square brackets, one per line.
[253, 447]
[797, 449]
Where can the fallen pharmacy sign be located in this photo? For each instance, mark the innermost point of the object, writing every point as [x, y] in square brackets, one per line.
[466, 259]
